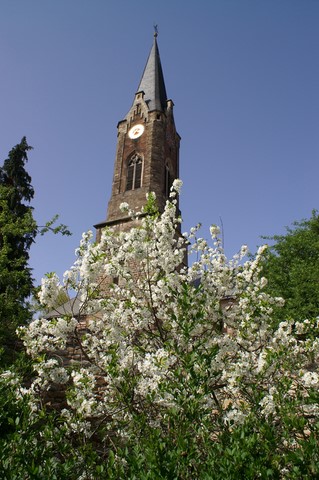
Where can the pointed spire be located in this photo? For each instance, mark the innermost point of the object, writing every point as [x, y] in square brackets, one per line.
[152, 82]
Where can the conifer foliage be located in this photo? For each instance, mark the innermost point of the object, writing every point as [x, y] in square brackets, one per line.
[17, 232]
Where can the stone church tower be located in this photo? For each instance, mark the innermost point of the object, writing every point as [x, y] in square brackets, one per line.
[147, 158]
[147, 154]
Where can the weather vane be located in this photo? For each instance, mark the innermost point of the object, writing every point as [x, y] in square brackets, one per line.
[155, 30]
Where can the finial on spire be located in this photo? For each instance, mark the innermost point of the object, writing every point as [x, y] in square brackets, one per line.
[155, 30]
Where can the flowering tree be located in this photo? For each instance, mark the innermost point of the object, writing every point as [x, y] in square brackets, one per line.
[174, 371]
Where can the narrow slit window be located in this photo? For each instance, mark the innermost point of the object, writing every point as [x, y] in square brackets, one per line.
[168, 181]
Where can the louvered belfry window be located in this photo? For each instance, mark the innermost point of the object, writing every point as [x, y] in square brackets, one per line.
[134, 173]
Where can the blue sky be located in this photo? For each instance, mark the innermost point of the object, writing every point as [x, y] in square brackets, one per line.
[244, 77]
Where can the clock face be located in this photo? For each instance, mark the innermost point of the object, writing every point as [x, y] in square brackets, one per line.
[136, 131]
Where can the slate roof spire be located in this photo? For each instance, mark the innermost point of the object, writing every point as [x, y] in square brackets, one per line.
[152, 81]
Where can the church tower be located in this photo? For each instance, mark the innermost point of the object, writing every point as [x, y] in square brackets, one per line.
[147, 154]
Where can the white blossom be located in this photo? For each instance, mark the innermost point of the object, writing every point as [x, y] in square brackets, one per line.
[310, 379]
[124, 207]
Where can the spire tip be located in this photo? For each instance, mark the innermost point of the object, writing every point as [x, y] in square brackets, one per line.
[155, 30]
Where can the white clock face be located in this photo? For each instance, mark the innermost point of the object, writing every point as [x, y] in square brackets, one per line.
[136, 131]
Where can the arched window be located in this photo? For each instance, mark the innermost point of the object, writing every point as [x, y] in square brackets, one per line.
[134, 173]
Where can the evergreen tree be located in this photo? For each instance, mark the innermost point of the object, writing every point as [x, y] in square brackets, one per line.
[17, 232]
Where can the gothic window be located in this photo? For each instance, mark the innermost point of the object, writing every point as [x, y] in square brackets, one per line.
[134, 173]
